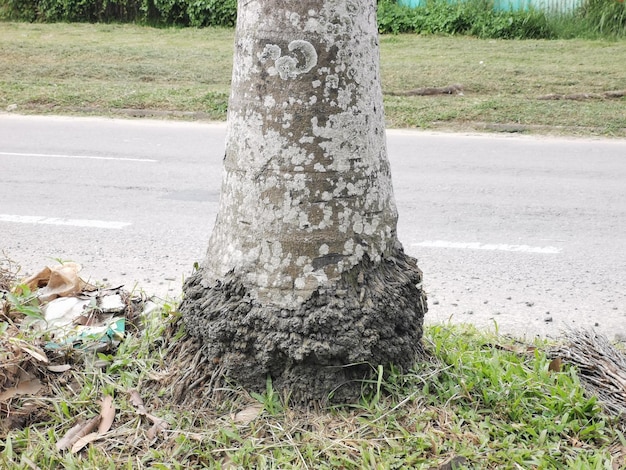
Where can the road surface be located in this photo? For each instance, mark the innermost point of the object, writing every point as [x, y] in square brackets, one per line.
[520, 234]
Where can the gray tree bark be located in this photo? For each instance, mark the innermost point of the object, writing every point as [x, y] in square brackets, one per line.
[304, 279]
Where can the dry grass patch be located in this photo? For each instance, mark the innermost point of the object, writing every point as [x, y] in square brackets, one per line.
[185, 73]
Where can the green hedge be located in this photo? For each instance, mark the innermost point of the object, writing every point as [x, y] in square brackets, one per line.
[471, 17]
[475, 17]
[153, 12]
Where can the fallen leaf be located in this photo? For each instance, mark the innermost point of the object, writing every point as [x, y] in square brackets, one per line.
[137, 402]
[555, 365]
[107, 414]
[82, 434]
[247, 415]
[195, 436]
[85, 440]
[35, 352]
[30, 386]
[76, 432]
[159, 425]
[59, 368]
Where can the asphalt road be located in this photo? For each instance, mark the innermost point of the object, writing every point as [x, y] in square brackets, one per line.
[526, 235]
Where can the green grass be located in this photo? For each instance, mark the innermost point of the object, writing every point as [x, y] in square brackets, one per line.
[480, 397]
[185, 73]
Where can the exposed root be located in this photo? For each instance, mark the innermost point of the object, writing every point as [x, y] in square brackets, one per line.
[601, 368]
[322, 349]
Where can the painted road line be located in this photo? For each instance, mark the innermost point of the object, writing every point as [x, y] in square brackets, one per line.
[545, 250]
[84, 157]
[28, 219]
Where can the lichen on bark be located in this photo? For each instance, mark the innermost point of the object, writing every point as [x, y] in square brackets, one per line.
[304, 274]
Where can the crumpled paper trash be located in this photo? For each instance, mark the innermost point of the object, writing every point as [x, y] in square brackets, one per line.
[58, 281]
[76, 313]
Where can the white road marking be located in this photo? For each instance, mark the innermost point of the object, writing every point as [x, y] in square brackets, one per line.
[28, 219]
[546, 250]
[84, 157]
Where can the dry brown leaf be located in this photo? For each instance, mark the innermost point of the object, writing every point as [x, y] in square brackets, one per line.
[29, 386]
[195, 436]
[76, 432]
[35, 352]
[107, 414]
[247, 415]
[159, 425]
[137, 402]
[555, 365]
[82, 434]
[84, 441]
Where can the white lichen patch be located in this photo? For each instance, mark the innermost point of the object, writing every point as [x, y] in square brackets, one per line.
[302, 59]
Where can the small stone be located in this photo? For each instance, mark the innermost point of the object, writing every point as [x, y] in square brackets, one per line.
[530, 304]
[547, 319]
[596, 324]
[111, 304]
[11, 107]
[469, 312]
[435, 302]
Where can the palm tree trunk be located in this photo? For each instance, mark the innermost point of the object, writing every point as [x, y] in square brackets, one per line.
[304, 279]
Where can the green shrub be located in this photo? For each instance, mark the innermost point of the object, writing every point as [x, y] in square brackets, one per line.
[20, 10]
[604, 17]
[165, 12]
[212, 12]
[154, 12]
[596, 18]
[394, 18]
[474, 17]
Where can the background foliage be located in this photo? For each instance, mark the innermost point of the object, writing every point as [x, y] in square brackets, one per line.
[153, 12]
[596, 18]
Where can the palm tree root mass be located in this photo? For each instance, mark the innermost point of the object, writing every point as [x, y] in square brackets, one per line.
[324, 347]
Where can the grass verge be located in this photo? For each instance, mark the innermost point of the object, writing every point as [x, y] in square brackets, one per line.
[530, 86]
[480, 401]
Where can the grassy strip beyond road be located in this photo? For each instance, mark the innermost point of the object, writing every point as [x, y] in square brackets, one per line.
[127, 69]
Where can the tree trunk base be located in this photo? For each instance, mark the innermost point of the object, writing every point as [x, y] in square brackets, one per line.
[323, 349]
